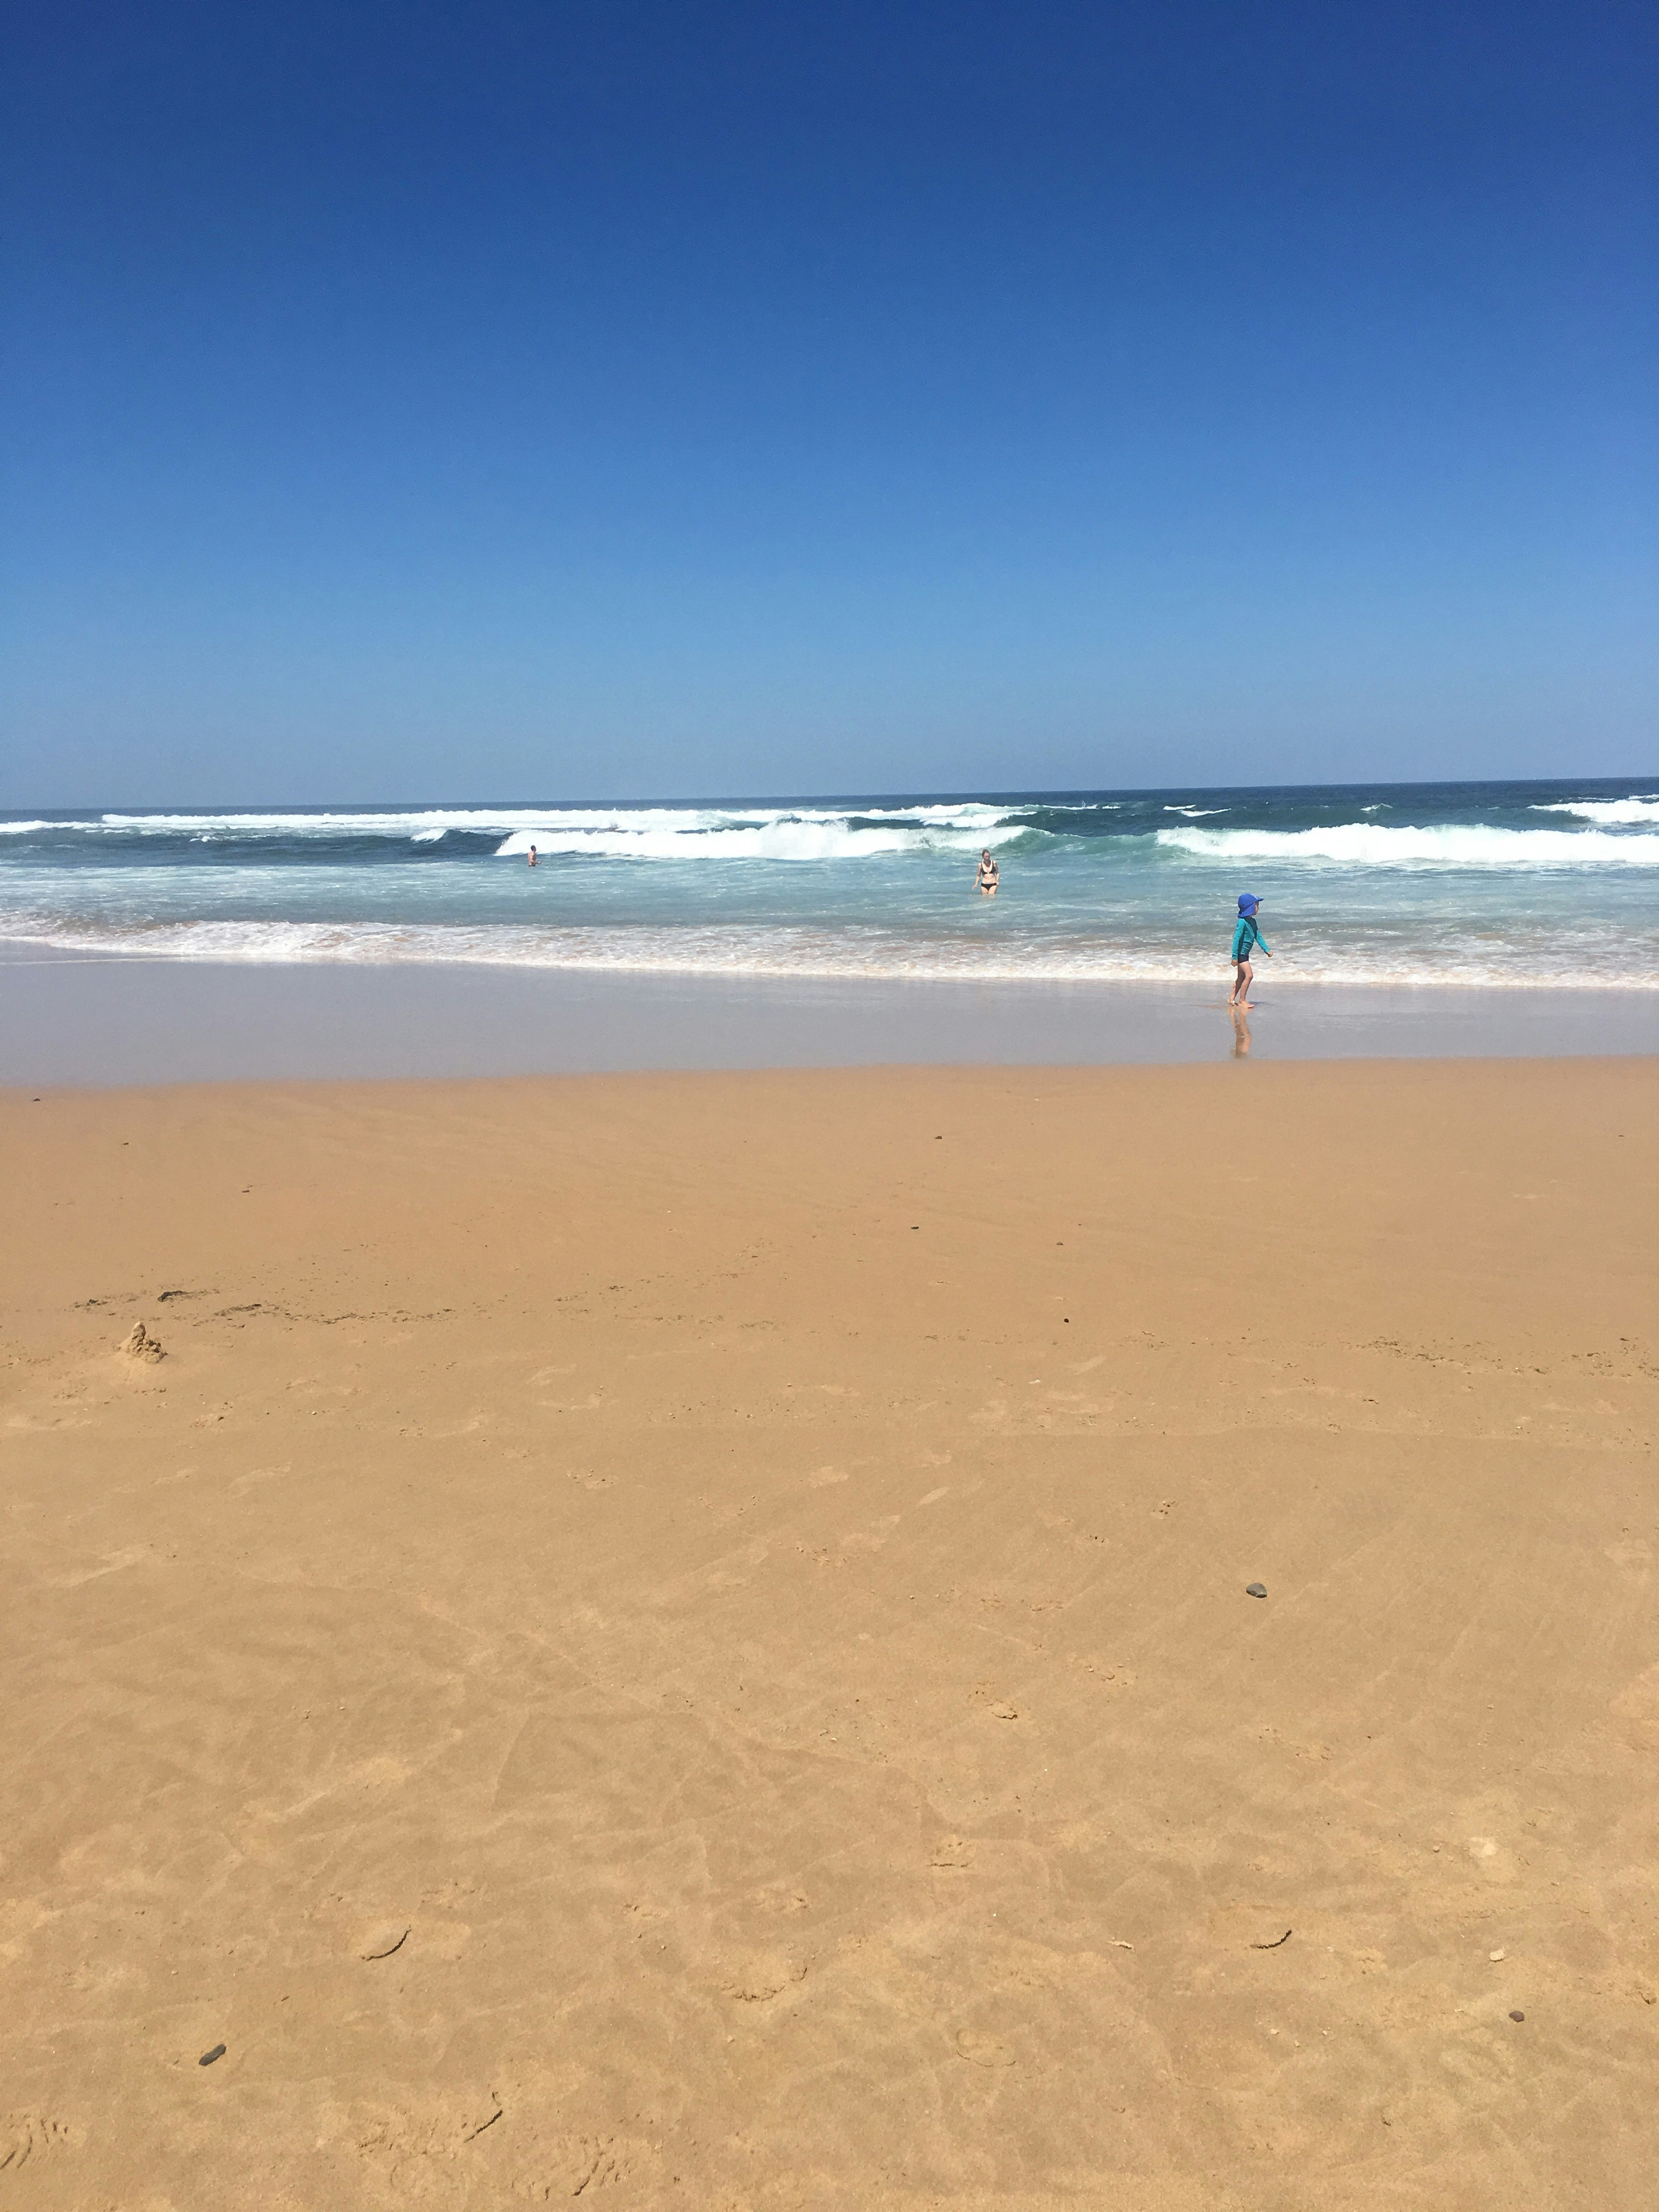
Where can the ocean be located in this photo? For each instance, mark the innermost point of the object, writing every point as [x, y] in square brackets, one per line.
[1501, 884]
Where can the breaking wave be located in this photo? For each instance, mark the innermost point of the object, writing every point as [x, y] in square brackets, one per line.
[646, 833]
[1607, 811]
[1470, 845]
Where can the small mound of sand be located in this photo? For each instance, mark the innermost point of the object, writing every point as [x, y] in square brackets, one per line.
[139, 1344]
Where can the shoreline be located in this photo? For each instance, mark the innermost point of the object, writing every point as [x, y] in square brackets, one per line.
[71, 1020]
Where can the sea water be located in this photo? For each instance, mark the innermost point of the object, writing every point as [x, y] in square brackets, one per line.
[1494, 884]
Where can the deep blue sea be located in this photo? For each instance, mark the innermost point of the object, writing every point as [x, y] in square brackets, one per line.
[1501, 883]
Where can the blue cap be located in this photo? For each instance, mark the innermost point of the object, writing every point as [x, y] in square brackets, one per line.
[1248, 902]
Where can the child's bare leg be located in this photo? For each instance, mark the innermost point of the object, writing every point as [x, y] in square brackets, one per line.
[1241, 990]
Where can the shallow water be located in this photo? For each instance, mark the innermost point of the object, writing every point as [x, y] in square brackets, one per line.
[1455, 884]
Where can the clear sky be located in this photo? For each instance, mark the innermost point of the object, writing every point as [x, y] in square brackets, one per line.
[491, 399]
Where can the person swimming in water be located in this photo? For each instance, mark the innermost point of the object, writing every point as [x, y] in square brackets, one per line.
[1246, 938]
[989, 875]
[532, 856]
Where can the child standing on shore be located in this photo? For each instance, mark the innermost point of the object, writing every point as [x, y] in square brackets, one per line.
[1246, 938]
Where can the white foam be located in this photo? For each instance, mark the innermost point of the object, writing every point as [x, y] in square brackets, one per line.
[1195, 813]
[1605, 811]
[642, 833]
[421, 825]
[737, 952]
[798, 838]
[1372, 844]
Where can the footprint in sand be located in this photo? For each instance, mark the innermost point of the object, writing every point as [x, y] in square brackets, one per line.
[1107, 1672]
[981, 2050]
[779, 1897]
[762, 1976]
[26, 2136]
[444, 2129]
[951, 1853]
[593, 2162]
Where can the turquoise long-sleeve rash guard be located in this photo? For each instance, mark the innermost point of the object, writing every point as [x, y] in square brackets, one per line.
[1247, 937]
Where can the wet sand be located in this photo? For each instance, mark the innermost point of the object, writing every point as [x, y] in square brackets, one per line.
[684, 1639]
[69, 1019]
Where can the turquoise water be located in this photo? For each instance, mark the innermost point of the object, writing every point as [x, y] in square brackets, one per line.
[1487, 883]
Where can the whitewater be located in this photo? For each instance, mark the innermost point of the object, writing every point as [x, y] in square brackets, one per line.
[1498, 885]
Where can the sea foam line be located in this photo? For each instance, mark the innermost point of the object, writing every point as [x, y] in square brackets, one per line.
[423, 825]
[1373, 844]
[805, 954]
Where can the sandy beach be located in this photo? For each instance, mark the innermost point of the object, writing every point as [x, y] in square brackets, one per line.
[685, 1639]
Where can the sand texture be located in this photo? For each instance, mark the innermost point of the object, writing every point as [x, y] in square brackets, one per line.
[684, 1640]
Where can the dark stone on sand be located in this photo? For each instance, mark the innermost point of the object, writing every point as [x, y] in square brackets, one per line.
[208, 2056]
[1255, 1589]
[1517, 2015]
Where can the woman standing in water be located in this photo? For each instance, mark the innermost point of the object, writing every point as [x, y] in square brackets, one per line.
[989, 875]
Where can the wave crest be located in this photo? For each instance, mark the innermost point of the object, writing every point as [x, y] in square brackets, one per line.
[1373, 845]
[791, 838]
[1604, 811]
[648, 832]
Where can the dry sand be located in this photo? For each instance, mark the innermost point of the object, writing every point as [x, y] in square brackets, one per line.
[684, 1640]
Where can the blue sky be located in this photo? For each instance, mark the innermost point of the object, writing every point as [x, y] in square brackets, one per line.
[656, 400]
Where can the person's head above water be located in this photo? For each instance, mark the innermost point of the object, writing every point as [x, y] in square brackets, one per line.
[986, 854]
[1248, 903]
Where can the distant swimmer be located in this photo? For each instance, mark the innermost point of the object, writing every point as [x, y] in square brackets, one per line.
[988, 876]
[1246, 938]
[532, 856]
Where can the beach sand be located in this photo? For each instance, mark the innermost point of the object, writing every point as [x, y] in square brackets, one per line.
[684, 1639]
